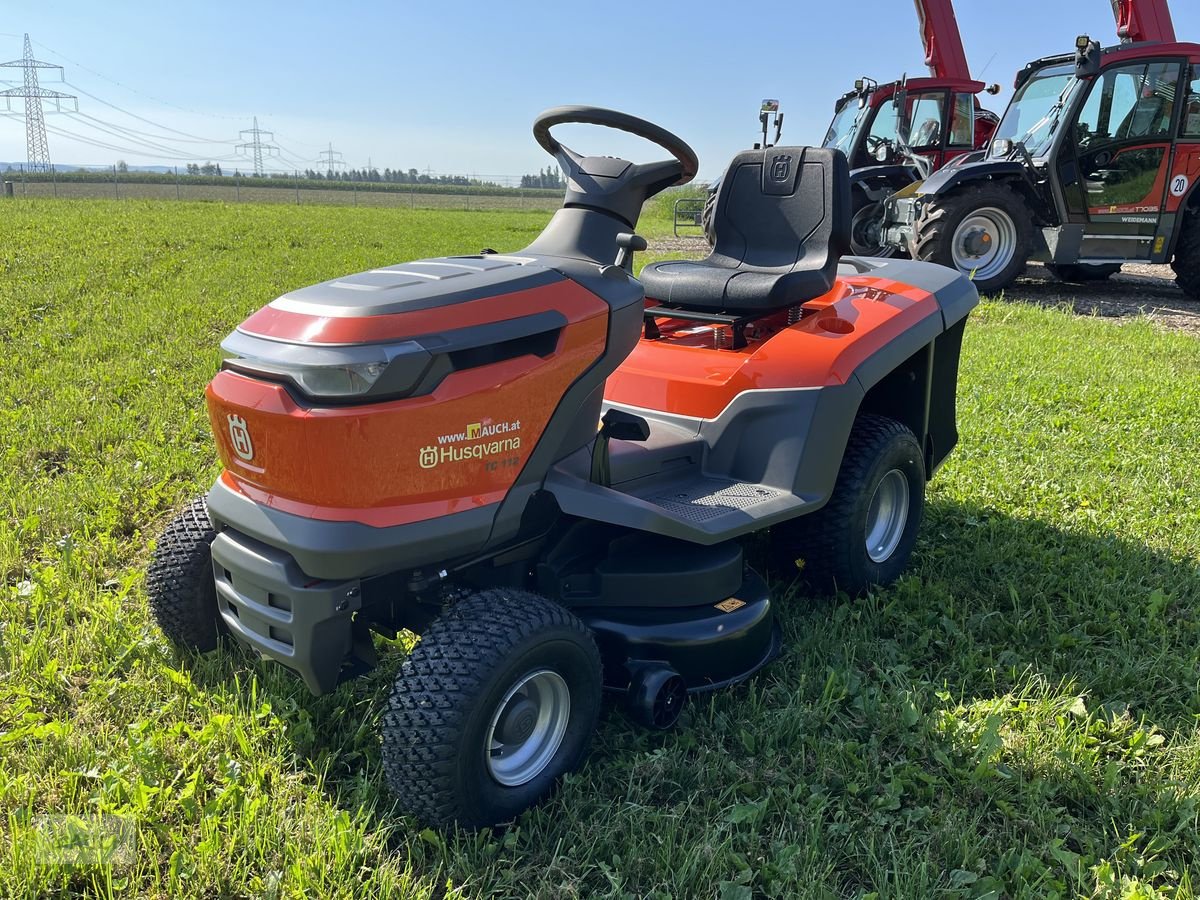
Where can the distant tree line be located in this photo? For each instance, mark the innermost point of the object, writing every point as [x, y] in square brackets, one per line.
[209, 173]
[547, 178]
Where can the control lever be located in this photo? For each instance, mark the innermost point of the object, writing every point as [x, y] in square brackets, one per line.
[617, 424]
[628, 244]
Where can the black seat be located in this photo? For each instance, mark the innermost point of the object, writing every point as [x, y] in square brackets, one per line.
[782, 222]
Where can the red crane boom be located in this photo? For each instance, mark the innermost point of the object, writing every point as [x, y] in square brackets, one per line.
[1143, 20]
[944, 53]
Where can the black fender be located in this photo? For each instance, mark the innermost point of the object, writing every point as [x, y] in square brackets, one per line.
[1191, 200]
[947, 179]
[879, 182]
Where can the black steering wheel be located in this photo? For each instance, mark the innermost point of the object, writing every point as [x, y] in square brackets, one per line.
[615, 185]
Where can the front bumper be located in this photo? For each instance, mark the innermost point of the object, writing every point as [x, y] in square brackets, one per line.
[271, 606]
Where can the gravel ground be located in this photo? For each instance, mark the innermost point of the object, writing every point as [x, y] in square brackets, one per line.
[1137, 290]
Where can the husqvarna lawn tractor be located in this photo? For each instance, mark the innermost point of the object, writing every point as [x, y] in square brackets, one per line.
[547, 476]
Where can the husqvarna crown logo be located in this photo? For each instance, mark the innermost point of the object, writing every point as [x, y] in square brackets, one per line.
[239, 435]
[781, 167]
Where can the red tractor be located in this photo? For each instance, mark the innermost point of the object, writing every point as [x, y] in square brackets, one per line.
[1094, 164]
[898, 133]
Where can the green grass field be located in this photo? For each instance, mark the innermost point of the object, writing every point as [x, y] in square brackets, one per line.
[1017, 717]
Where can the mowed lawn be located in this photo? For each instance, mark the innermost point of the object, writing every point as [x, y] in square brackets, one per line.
[1017, 717]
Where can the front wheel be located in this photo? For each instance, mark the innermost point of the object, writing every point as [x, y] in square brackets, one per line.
[495, 703]
[865, 534]
[984, 230]
[1186, 262]
[866, 231]
[180, 584]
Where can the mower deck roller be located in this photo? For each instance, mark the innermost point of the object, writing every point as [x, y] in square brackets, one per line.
[547, 476]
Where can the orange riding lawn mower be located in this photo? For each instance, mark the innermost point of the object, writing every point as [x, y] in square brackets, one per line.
[549, 477]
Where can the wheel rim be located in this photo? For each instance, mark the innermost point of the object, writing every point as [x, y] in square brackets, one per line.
[527, 728]
[887, 516]
[985, 242]
[865, 230]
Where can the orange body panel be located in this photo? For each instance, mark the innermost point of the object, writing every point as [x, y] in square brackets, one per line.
[681, 373]
[400, 461]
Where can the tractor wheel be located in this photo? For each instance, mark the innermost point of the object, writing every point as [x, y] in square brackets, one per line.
[495, 703]
[707, 215]
[983, 230]
[1083, 273]
[865, 534]
[180, 583]
[865, 227]
[1187, 255]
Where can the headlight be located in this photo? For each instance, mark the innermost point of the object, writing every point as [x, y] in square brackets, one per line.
[322, 372]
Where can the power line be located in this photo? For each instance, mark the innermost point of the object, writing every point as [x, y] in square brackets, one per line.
[133, 115]
[133, 90]
[37, 145]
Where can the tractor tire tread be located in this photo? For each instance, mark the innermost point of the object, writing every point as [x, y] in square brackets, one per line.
[179, 580]
[440, 681]
[932, 236]
[814, 537]
[1186, 261]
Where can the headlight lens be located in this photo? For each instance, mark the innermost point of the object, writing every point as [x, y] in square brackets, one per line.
[322, 372]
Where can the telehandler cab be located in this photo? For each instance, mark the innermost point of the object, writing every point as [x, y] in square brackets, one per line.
[1095, 164]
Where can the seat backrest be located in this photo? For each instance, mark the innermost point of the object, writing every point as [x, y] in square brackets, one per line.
[783, 209]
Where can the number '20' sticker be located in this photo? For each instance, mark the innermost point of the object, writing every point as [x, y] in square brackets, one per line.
[1179, 185]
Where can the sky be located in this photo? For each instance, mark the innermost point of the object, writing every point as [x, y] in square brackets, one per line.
[454, 87]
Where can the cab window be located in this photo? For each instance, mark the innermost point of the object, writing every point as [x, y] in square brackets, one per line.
[926, 117]
[962, 121]
[1190, 127]
[1134, 102]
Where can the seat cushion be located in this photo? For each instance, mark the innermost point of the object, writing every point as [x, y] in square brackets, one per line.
[695, 284]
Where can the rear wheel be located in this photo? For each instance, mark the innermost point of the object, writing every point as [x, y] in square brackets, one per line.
[866, 532]
[180, 584]
[866, 230]
[1187, 255]
[983, 230]
[708, 214]
[495, 703]
[1082, 273]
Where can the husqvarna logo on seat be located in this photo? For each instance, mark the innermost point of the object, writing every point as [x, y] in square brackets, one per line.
[781, 167]
[239, 436]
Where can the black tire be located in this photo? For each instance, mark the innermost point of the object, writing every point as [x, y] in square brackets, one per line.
[708, 214]
[941, 218]
[1186, 262]
[180, 584]
[451, 687]
[829, 547]
[1083, 273]
[863, 237]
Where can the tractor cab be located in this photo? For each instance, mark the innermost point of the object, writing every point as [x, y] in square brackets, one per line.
[896, 134]
[934, 119]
